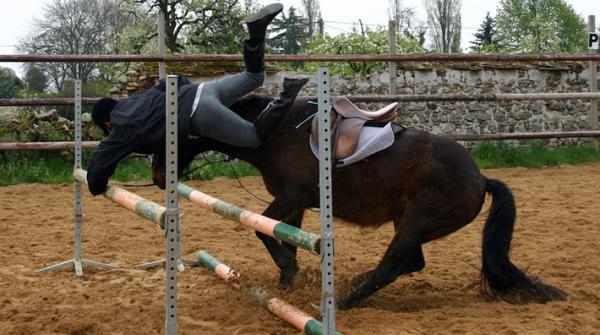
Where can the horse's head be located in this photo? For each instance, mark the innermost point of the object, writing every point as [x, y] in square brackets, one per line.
[185, 157]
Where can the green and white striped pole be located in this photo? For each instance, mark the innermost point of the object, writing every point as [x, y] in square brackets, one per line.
[133, 202]
[282, 309]
[263, 224]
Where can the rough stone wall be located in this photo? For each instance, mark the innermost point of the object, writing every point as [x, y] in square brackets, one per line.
[462, 117]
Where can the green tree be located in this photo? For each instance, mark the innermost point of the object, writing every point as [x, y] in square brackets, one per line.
[444, 19]
[539, 26]
[289, 32]
[138, 36]
[369, 42]
[71, 27]
[196, 23]
[224, 21]
[485, 37]
[35, 80]
[10, 84]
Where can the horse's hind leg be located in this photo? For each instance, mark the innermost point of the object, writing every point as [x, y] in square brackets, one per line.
[401, 257]
[283, 254]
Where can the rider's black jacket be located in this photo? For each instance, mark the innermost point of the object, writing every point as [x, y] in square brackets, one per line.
[138, 125]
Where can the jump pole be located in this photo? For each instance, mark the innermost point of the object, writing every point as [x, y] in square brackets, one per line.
[145, 208]
[263, 224]
[280, 308]
[78, 261]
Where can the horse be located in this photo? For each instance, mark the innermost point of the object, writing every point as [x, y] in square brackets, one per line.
[427, 185]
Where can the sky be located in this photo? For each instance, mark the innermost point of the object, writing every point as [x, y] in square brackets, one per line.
[16, 17]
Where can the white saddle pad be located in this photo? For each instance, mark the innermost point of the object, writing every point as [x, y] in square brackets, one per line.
[371, 140]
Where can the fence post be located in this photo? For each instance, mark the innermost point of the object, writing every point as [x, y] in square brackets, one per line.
[593, 83]
[393, 51]
[162, 69]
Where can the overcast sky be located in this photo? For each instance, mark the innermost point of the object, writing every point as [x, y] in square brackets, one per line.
[340, 16]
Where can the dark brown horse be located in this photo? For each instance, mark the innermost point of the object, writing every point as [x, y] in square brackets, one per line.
[427, 185]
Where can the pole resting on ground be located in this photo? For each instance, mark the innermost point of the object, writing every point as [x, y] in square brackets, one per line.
[282, 309]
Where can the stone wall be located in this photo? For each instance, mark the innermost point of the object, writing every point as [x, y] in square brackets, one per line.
[465, 78]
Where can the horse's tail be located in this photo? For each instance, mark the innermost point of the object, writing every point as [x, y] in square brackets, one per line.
[500, 277]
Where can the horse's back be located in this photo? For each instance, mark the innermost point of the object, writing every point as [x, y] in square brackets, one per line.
[417, 167]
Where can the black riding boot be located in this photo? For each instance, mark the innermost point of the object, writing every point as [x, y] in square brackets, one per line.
[257, 22]
[254, 46]
[272, 115]
[254, 55]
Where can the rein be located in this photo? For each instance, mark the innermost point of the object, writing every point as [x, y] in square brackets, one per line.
[228, 159]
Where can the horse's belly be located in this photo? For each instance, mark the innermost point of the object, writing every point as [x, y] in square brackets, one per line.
[365, 210]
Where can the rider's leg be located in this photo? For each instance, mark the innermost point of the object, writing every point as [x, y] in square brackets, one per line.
[276, 110]
[213, 118]
[254, 45]
[231, 88]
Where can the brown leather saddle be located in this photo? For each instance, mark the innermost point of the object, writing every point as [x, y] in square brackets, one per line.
[347, 122]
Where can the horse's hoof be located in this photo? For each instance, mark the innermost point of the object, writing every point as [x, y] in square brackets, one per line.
[360, 279]
[537, 293]
[286, 278]
[345, 304]
[531, 290]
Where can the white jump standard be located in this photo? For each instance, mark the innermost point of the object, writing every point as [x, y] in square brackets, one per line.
[78, 261]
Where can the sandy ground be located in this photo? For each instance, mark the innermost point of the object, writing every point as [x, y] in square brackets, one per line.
[556, 238]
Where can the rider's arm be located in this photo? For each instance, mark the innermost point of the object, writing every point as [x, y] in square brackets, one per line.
[104, 162]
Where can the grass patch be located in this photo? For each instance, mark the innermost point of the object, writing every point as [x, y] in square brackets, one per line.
[534, 155]
[51, 167]
[34, 167]
[132, 168]
[217, 165]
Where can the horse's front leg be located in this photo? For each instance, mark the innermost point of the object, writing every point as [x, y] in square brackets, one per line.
[282, 253]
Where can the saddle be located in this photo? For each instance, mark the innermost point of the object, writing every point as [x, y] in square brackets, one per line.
[347, 122]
